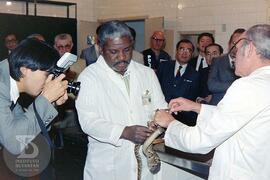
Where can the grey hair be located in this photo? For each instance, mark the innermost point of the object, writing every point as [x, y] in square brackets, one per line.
[112, 30]
[63, 37]
[260, 36]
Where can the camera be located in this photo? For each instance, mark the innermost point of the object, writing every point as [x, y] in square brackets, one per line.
[62, 65]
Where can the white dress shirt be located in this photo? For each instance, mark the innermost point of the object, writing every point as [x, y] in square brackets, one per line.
[238, 127]
[105, 108]
[14, 91]
[199, 60]
[182, 70]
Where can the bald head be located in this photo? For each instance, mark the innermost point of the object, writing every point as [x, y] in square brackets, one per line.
[157, 41]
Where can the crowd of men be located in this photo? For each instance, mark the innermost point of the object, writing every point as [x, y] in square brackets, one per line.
[220, 99]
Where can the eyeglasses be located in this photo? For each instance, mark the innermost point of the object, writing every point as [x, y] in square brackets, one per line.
[158, 40]
[234, 46]
[11, 41]
[212, 53]
[182, 49]
[67, 46]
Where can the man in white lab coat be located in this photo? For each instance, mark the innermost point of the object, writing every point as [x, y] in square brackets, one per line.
[238, 127]
[116, 99]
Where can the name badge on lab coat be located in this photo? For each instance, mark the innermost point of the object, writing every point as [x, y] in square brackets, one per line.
[146, 98]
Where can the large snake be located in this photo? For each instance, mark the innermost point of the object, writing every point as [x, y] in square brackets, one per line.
[153, 160]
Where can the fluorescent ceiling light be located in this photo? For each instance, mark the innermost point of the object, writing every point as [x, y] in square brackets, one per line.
[8, 3]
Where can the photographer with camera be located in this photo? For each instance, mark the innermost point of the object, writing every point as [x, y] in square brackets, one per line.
[28, 70]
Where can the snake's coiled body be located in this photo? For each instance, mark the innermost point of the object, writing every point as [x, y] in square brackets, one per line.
[153, 160]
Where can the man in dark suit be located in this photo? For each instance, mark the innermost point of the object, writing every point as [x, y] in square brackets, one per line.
[199, 62]
[211, 51]
[222, 75]
[90, 54]
[179, 79]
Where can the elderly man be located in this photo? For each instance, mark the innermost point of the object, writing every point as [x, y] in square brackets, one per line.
[154, 55]
[117, 98]
[63, 43]
[238, 127]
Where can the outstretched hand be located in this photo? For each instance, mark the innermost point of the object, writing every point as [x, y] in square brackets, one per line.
[182, 104]
[163, 118]
[136, 134]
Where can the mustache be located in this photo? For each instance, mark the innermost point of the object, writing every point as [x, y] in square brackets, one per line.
[120, 62]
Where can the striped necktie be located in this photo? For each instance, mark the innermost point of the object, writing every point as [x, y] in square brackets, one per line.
[178, 73]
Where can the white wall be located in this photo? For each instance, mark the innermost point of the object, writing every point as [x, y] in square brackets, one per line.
[221, 16]
[192, 15]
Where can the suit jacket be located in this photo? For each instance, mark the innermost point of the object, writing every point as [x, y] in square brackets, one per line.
[220, 78]
[203, 90]
[185, 86]
[89, 54]
[193, 62]
[17, 121]
[152, 61]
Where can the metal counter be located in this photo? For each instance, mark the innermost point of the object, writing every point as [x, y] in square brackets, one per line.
[196, 164]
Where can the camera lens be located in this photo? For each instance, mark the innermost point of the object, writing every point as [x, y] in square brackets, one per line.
[74, 87]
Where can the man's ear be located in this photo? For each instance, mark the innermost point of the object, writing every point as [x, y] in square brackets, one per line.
[100, 50]
[24, 71]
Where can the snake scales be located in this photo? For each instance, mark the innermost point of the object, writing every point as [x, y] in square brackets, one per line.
[153, 160]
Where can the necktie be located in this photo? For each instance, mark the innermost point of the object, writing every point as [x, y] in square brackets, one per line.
[201, 64]
[178, 73]
[12, 106]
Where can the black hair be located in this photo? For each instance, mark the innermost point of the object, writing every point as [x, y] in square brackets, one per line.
[207, 35]
[97, 29]
[9, 34]
[32, 54]
[133, 32]
[215, 44]
[185, 41]
[237, 31]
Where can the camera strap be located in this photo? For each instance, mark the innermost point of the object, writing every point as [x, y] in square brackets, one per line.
[44, 131]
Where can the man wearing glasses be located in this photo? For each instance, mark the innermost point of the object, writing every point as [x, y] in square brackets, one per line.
[222, 75]
[179, 79]
[154, 55]
[238, 127]
[63, 43]
[11, 42]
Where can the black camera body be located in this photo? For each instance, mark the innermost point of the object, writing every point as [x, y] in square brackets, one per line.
[62, 65]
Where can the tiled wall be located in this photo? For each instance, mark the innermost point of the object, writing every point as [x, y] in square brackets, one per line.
[220, 16]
